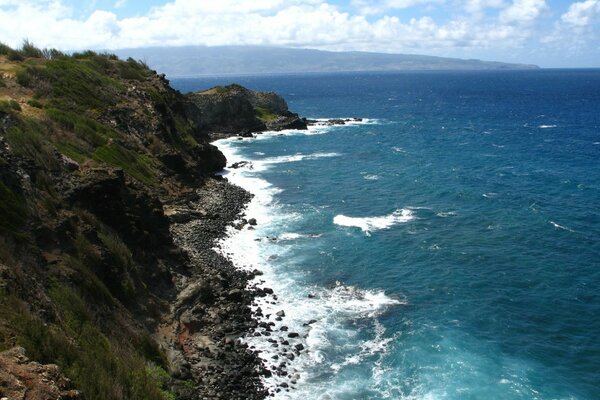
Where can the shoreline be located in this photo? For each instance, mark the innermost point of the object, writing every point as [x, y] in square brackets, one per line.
[294, 320]
[211, 312]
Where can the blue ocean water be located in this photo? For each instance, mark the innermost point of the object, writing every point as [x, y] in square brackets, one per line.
[450, 243]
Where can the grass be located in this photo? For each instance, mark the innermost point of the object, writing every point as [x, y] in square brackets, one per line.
[35, 103]
[123, 285]
[13, 212]
[85, 128]
[265, 114]
[136, 165]
[29, 138]
[75, 84]
[9, 105]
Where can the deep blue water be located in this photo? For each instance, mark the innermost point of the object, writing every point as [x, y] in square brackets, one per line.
[485, 283]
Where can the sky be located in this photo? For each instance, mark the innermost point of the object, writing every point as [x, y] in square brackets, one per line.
[549, 33]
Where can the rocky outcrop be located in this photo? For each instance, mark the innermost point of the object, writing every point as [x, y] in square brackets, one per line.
[23, 379]
[234, 110]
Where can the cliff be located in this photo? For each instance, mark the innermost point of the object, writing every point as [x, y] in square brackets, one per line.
[235, 110]
[109, 211]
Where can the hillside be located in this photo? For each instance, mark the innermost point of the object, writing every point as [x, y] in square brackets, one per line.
[192, 61]
[109, 211]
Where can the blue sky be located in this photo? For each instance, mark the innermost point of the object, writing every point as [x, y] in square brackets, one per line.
[550, 33]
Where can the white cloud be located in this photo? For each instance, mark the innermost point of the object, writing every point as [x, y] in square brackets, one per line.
[581, 14]
[478, 6]
[372, 7]
[523, 11]
[297, 23]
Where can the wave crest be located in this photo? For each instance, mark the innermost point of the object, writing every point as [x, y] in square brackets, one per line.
[369, 224]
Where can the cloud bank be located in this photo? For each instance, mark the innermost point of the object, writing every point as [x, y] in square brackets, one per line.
[492, 28]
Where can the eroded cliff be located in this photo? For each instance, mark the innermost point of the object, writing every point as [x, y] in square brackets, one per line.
[108, 214]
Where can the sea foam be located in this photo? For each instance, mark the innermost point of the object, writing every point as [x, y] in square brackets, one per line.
[324, 317]
[370, 224]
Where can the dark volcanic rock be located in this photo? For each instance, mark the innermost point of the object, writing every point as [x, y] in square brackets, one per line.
[234, 110]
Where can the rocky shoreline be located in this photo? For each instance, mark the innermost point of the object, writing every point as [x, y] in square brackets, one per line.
[212, 310]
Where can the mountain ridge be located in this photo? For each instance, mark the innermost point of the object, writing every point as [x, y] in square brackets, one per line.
[195, 61]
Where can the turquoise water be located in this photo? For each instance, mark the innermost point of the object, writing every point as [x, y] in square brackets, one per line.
[451, 240]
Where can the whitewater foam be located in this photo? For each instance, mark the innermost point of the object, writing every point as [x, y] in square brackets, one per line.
[369, 224]
[326, 319]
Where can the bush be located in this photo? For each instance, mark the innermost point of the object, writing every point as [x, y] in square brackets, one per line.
[53, 54]
[4, 49]
[28, 139]
[24, 77]
[29, 50]
[137, 166]
[13, 212]
[99, 366]
[9, 105]
[14, 55]
[35, 103]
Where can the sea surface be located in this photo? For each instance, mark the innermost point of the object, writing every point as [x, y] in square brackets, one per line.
[446, 247]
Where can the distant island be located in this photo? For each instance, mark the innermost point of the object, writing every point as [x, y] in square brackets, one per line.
[191, 61]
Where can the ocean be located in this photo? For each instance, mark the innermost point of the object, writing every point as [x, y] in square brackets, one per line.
[447, 246]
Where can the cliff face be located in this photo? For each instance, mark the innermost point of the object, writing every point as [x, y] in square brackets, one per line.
[103, 166]
[235, 110]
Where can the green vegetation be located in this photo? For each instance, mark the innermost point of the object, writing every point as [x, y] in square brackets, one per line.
[136, 165]
[132, 69]
[29, 138]
[123, 285]
[35, 103]
[75, 268]
[77, 84]
[12, 210]
[265, 114]
[9, 105]
[101, 368]
[24, 77]
[4, 49]
[29, 50]
[85, 128]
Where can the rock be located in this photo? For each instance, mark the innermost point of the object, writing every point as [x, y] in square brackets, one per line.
[21, 378]
[252, 221]
[293, 335]
[280, 313]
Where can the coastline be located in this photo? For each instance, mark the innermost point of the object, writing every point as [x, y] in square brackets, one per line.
[211, 311]
[294, 322]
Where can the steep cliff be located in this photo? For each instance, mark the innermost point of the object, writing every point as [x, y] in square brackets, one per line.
[235, 110]
[103, 167]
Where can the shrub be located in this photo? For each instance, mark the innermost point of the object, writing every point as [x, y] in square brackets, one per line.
[53, 54]
[84, 54]
[24, 77]
[27, 139]
[137, 166]
[14, 55]
[79, 84]
[13, 212]
[99, 366]
[29, 50]
[134, 70]
[35, 103]
[4, 49]
[9, 105]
